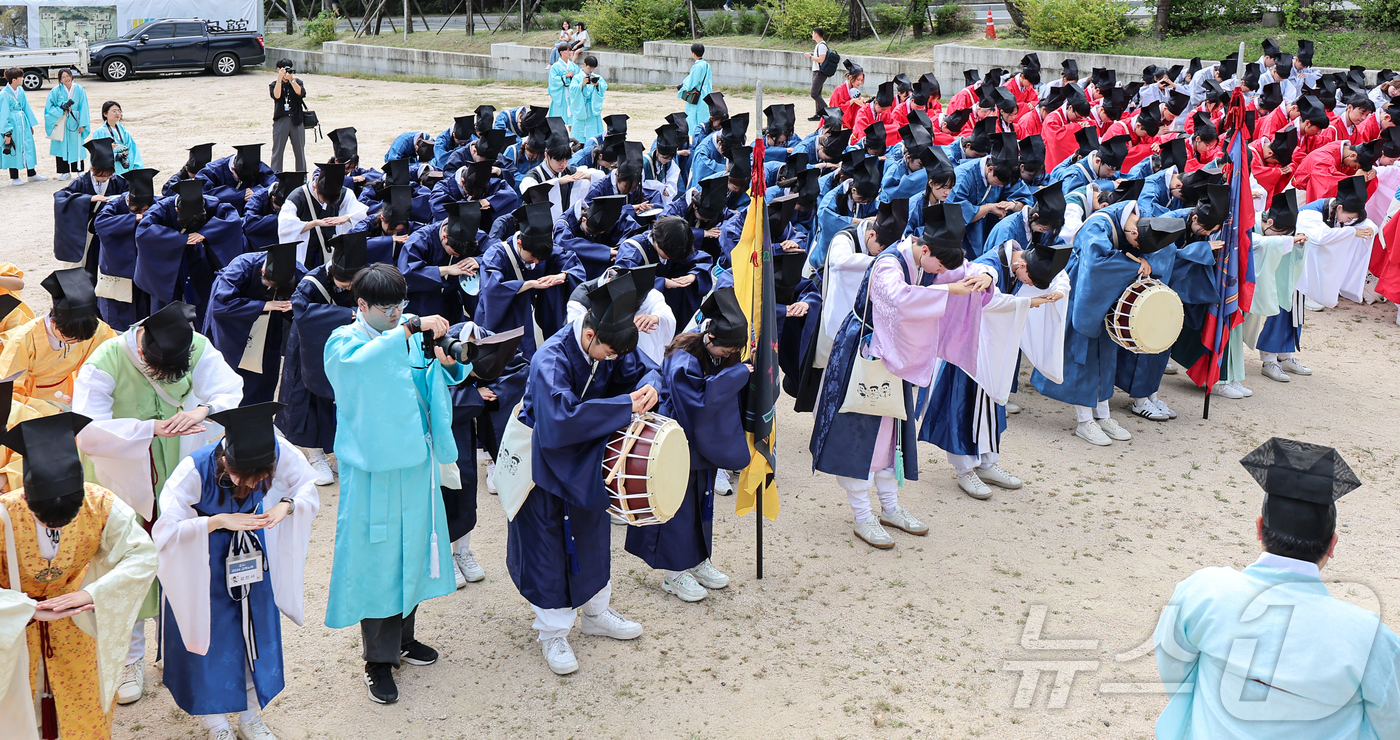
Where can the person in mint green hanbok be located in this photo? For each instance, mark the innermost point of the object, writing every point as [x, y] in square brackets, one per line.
[394, 441]
[66, 112]
[700, 79]
[124, 148]
[585, 100]
[17, 124]
[561, 75]
[1268, 652]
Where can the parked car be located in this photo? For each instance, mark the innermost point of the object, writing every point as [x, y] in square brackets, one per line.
[42, 64]
[176, 45]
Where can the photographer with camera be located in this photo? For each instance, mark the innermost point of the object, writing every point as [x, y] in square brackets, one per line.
[124, 149]
[393, 432]
[287, 116]
[585, 98]
[17, 124]
[67, 120]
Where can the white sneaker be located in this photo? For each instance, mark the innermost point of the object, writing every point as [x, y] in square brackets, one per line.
[36, 177]
[994, 475]
[254, 730]
[491, 477]
[223, 733]
[1114, 430]
[618, 520]
[902, 520]
[1012, 408]
[1163, 407]
[974, 487]
[1145, 408]
[709, 576]
[1368, 291]
[1311, 305]
[65, 176]
[723, 485]
[1170, 369]
[461, 580]
[559, 656]
[1237, 385]
[874, 534]
[684, 587]
[1292, 365]
[1090, 432]
[467, 566]
[132, 685]
[1226, 390]
[324, 476]
[611, 624]
[1273, 371]
[17, 181]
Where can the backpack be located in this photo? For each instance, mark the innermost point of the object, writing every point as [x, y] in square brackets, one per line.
[828, 66]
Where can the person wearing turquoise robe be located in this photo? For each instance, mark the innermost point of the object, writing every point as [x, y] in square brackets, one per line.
[561, 75]
[585, 98]
[1267, 652]
[393, 432]
[68, 105]
[124, 147]
[17, 124]
[700, 78]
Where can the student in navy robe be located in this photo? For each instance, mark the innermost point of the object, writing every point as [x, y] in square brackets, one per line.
[181, 242]
[567, 184]
[200, 156]
[474, 183]
[318, 211]
[401, 172]
[459, 134]
[119, 302]
[585, 383]
[683, 273]
[321, 301]
[701, 378]
[232, 179]
[249, 315]
[75, 208]
[411, 145]
[441, 264]
[346, 148]
[494, 386]
[248, 493]
[486, 147]
[626, 180]
[526, 281]
[505, 224]
[593, 230]
[389, 226]
[261, 213]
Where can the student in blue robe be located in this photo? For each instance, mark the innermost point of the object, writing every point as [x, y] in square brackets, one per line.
[1110, 253]
[181, 242]
[561, 77]
[593, 231]
[260, 214]
[683, 273]
[120, 303]
[585, 383]
[852, 200]
[976, 145]
[222, 643]
[346, 147]
[75, 208]
[1032, 170]
[393, 434]
[461, 133]
[701, 378]
[981, 192]
[1319, 667]
[488, 146]
[1098, 165]
[436, 258]
[626, 180]
[474, 182]
[713, 155]
[200, 156]
[389, 226]
[232, 179]
[524, 155]
[521, 120]
[321, 302]
[526, 281]
[585, 99]
[250, 305]
[415, 146]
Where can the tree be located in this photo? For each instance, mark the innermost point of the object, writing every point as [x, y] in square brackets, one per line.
[1164, 12]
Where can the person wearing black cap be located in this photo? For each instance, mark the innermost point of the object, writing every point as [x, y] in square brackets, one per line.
[526, 281]
[1121, 241]
[264, 208]
[586, 381]
[346, 151]
[1339, 246]
[416, 146]
[321, 302]
[626, 180]
[713, 153]
[488, 146]
[983, 191]
[232, 179]
[1329, 668]
[461, 133]
[76, 205]
[1022, 85]
[854, 199]
[847, 95]
[880, 108]
[683, 274]
[119, 302]
[1161, 190]
[656, 323]
[393, 435]
[593, 230]
[247, 498]
[181, 242]
[108, 563]
[701, 378]
[568, 184]
[248, 316]
[317, 211]
[1314, 128]
[1060, 127]
[1321, 171]
[148, 392]
[661, 172]
[392, 221]
[200, 155]
[479, 181]
[47, 351]
[442, 263]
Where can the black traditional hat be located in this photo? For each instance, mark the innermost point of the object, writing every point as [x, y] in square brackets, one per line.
[52, 466]
[1126, 190]
[884, 94]
[1115, 102]
[957, 120]
[740, 165]
[865, 177]
[982, 132]
[332, 177]
[1004, 149]
[1050, 205]
[971, 77]
[463, 127]
[1301, 483]
[344, 145]
[1045, 261]
[398, 204]
[714, 191]
[943, 225]
[915, 139]
[1151, 72]
[189, 199]
[73, 298]
[1203, 126]
[250, 440]
[853, 68]
[491, 143]
[396, 172]
[735, 131]
[1270, 97]
[558, 132]
[613, 305]
[667, 140]
[890, 219]
[1174, 71]
[1193, 67]
[200, 155]
[1088, 138]
[476, 177]
[1229, 65]
[875, 141]
[1270, 48]
[1285, 141]
[1076, 100]
[1351, 194]
[682, 124]
[808, 188]
[715, 101]
[101, 151]
[629, 167]
[537, 193]
[832, 119]
[1283, 210]
[463, 221]
[1030, 68]
[930, 82]
[836, 143]
[1054, 99]
[1174, 154]
[780, 212]
[1252, 73]
[1177, 102]
[789, 118]
[604, 211]
[350, 252]
[289, 181]
[280, 264]
[536, 223]
[169, 333]
[484, 119]
[787, 275]
[1150, 117]
[247, 161]
[902, 83]
[533, 117]
[1069, 68]
[1114, 150]
[726, 320]
[1155, 233]
[1193, 184]
[788, 171]
[489, 355]
[1366, 154]
[1212, 210]
[1305, 52]
[1032, 152]
[615, 124]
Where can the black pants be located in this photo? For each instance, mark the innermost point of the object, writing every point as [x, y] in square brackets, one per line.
[14, 173]
[384, 638]
[818, 82]
[65, 166]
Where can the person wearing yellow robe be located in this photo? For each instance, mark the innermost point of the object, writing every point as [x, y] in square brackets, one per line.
[13, 310]
[75, 568]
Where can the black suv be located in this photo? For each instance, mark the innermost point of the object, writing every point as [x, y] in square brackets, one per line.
[176, 45]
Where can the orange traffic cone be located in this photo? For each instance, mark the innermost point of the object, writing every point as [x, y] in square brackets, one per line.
[991, 27]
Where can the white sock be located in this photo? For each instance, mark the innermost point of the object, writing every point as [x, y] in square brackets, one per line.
[213, 722]
[460, 547]
[672, 575]
[1267, 357]
[137, 650]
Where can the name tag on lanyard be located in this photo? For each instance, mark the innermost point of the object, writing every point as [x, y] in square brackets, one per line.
[243, 570]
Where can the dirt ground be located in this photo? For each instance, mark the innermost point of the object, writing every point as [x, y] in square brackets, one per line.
[928, 640]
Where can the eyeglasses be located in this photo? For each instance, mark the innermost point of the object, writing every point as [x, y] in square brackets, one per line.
[392, 309]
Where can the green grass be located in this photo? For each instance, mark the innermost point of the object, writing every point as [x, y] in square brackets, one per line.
[457, 41]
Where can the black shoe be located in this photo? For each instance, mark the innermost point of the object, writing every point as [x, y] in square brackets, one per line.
[379, 677]
[815, 118]
[416, 653]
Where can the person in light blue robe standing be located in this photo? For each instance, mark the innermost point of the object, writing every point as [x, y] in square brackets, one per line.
[67, 105]
[585, 98]
[393, 431]
[561, 76]
[124, 147]
[699, 79]
[1267, 652]
[17, 124]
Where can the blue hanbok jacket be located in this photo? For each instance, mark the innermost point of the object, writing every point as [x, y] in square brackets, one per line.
[220, 182]
[169, 269]
[504, 307]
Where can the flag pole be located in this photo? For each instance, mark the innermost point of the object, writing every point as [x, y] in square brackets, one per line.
[758, 551]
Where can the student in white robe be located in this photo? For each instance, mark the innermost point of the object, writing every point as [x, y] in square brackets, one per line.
[1267, 652]
[316, 212]
[655, 322]
[1340, 237]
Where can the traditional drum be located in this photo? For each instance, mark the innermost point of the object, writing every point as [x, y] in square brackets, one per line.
[1146, 319]
[646, 468]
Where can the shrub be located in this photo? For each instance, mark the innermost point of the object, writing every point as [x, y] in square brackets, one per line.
[751, 22]
[1380, 15]
[1081, 25]
[1192, 16]
[888, 17]
[546, 22]
[321, 28]
[625, 24]
[952, 18]
[795, 19]
[562, 6]
[719, 24]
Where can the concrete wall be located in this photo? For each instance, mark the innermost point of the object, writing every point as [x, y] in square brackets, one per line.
[666, 63]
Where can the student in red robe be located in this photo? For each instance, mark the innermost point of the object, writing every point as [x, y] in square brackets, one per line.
[1377, 123]
[1032, 121]
[1359, 108]
[879, 109]
[1022, 85]
[1273, 162]
[846, 96]
[1320, 171]
[1060, 126]
[1314, 131]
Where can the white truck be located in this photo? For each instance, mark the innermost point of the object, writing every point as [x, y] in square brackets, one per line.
[42, 64]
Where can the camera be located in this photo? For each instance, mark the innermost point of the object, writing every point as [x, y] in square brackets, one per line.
[451, 346]
[66, 106]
